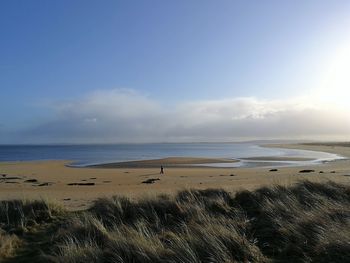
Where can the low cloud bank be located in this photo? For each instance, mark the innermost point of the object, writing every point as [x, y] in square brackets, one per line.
[126, 116]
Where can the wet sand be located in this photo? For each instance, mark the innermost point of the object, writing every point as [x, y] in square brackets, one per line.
[76, 188]
[168, 162]
[279, 159]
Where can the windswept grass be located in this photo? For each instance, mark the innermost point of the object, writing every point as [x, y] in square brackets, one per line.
[8, 244]
[308, 222]
[18, 218]
[304, 223]
[24, 213]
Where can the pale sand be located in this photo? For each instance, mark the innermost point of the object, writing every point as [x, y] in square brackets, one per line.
[128, 181]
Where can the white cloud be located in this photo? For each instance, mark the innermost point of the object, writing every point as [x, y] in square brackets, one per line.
[126, 116]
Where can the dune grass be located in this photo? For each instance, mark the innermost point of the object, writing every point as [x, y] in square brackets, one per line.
[8, 244]
[20, 218]
[306, 222]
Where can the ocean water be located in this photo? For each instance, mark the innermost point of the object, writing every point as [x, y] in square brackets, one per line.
[82, 155]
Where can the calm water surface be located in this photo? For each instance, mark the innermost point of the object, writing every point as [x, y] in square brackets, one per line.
[94, 154]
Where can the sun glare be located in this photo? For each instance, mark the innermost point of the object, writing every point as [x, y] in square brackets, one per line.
[336, 82]
[339, 76]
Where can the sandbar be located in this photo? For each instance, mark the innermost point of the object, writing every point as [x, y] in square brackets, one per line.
[77, 188]
[168, 162]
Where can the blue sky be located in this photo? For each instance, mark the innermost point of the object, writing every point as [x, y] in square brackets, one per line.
[169, 54]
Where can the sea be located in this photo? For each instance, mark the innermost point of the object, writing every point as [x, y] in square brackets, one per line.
[85, 155]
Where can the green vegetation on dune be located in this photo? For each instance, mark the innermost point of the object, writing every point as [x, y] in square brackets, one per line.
[307, 222]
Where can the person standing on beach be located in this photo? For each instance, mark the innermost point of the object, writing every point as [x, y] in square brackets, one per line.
[161, 169]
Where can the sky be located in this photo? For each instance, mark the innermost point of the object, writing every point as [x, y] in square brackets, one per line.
[81, 71]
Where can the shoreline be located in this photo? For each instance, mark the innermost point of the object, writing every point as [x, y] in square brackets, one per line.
[76, 188]
[247, 162]
[172, 162]
[193, 162]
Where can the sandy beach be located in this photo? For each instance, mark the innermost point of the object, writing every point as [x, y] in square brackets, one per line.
[76, 188]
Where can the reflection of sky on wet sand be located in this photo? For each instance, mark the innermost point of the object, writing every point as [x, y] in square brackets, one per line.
[311, 158]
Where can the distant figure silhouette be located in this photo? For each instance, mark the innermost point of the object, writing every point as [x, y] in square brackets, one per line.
[161, 169]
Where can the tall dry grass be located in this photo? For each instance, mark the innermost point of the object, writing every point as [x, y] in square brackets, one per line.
[17, 217]
[8, 244]
[307, 222]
